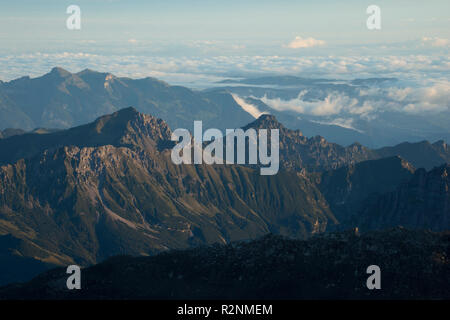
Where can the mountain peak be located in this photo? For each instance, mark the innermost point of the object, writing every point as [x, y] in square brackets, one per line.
[60, 72]
[127, 111]
[266, 121]
[268, 117]
[129, 127]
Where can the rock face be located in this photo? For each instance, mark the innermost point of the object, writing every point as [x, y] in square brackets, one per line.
[127, 128]
[348, 187]
[110, 188]
[422, 202]
[298, 152]
[414, 265]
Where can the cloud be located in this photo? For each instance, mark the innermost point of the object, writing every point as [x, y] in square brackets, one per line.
[199, 71]
[332, 104]
[341, 122]
[435, 42]
[435, 98]
[132, 41]
[300, 42]
[366, 103]
[250, 108]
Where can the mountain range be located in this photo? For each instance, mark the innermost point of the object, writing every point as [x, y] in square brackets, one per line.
[61, 99]
[367, 111]
[108, 187]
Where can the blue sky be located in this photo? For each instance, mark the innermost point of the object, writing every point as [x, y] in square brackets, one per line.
[198, 42]
[28, 25]
[34, 36]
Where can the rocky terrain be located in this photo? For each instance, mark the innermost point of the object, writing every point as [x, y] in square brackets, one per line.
[298, 152]
[347, 188]
[413, 264]
[422, 202]
[109, 187]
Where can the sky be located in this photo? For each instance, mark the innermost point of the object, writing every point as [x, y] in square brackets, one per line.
[206, 40]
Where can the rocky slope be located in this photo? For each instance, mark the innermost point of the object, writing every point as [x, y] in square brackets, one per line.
[422, 202]
[414, 265]
[316, 154]
[298, 152]
[110, 188]
[348, 187]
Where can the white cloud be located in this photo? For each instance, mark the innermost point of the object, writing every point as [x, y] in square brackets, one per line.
[300, 42]
[418, 100]
[433, 98]
[250, 108]
[200, 72]
[332, 104]
[435, 41]
[341, 122]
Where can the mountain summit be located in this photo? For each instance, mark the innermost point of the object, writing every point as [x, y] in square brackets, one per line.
[126, 127]
[266, 121]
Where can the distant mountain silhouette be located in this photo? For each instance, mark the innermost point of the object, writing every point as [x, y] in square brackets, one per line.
[61, 99]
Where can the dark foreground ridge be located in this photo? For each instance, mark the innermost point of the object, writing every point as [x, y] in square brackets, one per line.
[414, 265]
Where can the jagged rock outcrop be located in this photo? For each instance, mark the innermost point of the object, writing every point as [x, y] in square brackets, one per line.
[110, 188]
[421, 203]
[348, 187]
[298, 152]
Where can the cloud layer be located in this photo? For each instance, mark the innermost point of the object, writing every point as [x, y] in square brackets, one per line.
[367, 102]
[214, 68]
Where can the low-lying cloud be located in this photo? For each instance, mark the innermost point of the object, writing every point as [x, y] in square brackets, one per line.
[415, 100]
[334, 103]
[214, 68]
[248, 107]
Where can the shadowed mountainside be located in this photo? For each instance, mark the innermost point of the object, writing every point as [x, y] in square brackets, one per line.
[423, 202]
[414, 265]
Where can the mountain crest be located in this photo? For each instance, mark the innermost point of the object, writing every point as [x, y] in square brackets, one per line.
[266, 121]
[60, 72]
[123, 128]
